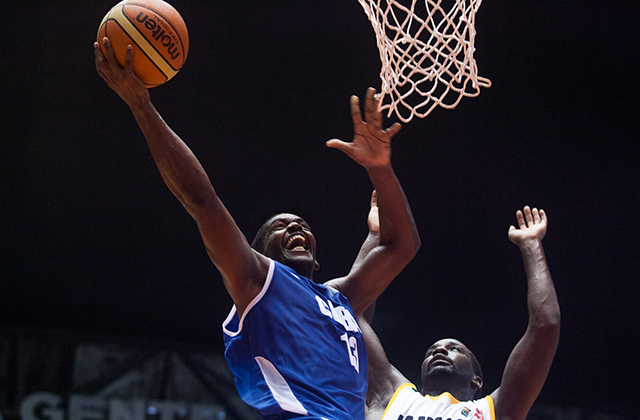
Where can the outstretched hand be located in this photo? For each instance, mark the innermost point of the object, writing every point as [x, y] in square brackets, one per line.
[532, 224]
[122, 80]
[371, 145]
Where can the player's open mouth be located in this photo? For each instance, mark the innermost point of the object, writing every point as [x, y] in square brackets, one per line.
[296, 242]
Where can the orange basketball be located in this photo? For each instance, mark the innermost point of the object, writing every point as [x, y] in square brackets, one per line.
[157, 32]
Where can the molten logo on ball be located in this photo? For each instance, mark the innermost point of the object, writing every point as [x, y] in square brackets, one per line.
[157, 33]
[158, 28]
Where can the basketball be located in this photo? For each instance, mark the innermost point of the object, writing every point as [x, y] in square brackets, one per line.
[157, 33]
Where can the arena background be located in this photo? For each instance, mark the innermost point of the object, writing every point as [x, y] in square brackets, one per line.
[96, 252]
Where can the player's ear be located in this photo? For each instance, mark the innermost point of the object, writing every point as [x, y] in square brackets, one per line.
[316, 266]
[476, 382]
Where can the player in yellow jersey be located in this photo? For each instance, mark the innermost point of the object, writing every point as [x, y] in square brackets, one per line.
[451, 375]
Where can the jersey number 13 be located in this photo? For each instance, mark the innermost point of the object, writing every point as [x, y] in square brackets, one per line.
[352, 349]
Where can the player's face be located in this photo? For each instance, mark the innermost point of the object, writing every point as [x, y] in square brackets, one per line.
[291, 242]
[446, 360]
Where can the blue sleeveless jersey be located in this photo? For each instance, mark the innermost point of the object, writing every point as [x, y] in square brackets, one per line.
[298, 352]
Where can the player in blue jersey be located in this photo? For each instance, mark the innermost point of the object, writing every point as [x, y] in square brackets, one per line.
[451, 375]
[294, 346]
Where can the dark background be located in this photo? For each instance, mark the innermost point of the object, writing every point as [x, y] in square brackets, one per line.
[93, 241]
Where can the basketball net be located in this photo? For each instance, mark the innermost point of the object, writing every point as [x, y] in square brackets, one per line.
[426, 51]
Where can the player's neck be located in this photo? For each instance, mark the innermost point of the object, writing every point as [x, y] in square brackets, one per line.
[302, 270]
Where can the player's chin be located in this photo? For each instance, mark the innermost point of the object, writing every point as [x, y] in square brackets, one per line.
[298, 258]
[440, 371]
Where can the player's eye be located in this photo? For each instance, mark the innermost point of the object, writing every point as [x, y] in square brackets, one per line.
[278, 226]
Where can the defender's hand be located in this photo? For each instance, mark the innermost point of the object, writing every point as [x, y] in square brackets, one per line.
[371, 145]
[531, 225]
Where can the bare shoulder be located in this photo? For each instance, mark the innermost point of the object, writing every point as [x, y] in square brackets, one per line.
[244, 286]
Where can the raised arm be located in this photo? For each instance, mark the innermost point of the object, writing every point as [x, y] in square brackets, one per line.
[398, 239]
[529, 363]
[384, 378]
[243, 270]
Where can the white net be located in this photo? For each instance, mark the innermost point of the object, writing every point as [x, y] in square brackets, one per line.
[426, 48]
